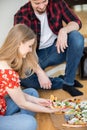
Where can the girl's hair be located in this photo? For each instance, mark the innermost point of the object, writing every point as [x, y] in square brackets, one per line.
[9, 50]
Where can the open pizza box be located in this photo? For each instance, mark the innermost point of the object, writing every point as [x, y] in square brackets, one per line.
[64, 120]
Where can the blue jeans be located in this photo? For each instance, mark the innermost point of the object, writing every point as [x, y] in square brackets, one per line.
[16, 118]
[49, 56]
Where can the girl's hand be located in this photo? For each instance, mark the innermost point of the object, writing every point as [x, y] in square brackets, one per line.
[43, 102]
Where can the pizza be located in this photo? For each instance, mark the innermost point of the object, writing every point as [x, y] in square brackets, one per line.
[75, 110]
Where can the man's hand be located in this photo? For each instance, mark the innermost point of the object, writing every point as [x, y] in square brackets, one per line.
[62, 40]
[44, 81]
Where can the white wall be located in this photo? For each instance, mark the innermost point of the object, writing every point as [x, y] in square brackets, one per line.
[7, 10]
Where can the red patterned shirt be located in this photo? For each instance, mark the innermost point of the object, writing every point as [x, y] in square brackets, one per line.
[8, 78]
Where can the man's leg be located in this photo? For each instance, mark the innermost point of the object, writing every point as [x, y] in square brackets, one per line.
[32, 82]
[50, 56]
[73, 55]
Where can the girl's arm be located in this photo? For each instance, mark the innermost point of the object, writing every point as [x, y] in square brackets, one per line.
[19, 98]
[40, 101]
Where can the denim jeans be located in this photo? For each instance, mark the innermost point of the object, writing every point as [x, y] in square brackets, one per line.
[49, 56]
[16, 118]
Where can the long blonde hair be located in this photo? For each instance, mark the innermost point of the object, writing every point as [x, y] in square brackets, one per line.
[9, 50]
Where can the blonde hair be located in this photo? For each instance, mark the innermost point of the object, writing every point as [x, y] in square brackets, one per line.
[9, 50]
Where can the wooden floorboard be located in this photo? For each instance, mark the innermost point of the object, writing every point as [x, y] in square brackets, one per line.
[44, 120]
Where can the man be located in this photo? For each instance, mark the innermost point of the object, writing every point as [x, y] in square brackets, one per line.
[56, 43]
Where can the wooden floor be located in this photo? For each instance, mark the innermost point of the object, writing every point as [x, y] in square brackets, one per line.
[44, 120]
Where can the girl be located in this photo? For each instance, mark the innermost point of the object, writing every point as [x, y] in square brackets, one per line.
[17, 107]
